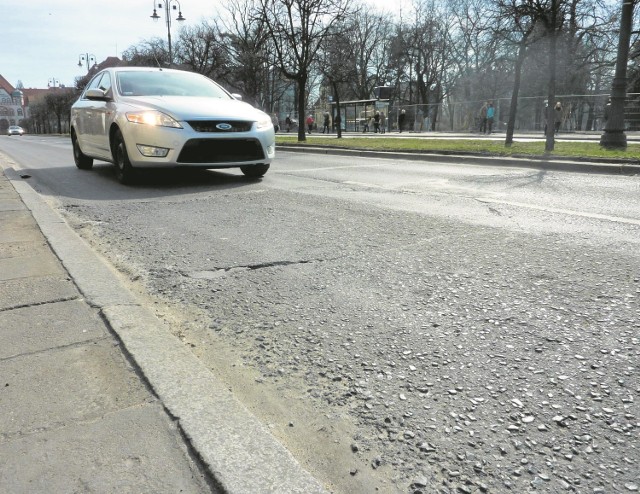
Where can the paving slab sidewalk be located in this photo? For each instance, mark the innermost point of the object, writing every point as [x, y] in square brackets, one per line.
[96, 394]
[75, 416]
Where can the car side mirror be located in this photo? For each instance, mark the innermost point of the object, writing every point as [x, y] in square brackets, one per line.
[96, 94]
[237, 96]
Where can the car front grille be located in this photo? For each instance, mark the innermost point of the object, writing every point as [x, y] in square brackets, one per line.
[225, 126]
[221, 151]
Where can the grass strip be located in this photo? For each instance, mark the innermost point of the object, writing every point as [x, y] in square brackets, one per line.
[475, 146]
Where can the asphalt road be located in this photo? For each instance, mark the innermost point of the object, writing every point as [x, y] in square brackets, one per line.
[400, 326]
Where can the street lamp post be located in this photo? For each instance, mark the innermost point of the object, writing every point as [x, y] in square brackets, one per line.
[167, 5]
[53, 82]
[614, 136]
[87, 58]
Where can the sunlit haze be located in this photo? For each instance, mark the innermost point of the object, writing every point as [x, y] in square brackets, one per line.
[43, 40]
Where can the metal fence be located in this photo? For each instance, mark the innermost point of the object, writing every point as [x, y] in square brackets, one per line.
[579, 113]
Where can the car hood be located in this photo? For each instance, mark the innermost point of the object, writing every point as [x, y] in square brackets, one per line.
[194, 108]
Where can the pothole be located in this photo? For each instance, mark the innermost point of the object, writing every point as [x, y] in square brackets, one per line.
[213, 275]
[221, 272]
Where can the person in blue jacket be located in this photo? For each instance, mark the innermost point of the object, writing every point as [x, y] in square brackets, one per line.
[491, 113]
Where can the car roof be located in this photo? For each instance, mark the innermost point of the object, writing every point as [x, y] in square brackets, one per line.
[125, 68]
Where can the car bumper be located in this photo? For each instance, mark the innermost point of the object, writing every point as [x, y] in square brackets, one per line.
[188, 148]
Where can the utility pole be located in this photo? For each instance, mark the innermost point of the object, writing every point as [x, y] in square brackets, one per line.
[553, 43]
[614, 136]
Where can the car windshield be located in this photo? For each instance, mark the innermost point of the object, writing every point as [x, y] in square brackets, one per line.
[160, 83]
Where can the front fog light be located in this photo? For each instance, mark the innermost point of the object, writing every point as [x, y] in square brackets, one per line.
[152, 151]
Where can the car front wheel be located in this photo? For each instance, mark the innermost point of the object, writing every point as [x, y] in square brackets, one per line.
[124, 170]
[83, 162]
[255, 171]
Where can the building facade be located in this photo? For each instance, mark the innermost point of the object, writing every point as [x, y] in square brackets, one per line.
[12, 105]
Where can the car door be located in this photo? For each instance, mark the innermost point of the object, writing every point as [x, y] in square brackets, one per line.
[85, 112]
[101, 117]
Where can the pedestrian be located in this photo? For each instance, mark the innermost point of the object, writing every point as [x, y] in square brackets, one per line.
[287, 122]
[325, 122]
[383, 123]
[482, 118]
[310, 123]
[275, 122]
[607, 110]
[545, 115]
[376, 122]
[401, 119]
[607, 113]
[491, 113]
[365, 124]
[557, 117]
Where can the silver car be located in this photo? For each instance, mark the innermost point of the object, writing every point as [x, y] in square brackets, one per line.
[139, 117]
[15, 130]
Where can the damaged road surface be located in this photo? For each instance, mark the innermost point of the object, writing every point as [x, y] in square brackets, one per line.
[400, 327]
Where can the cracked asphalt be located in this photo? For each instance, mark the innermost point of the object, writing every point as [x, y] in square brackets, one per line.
[488, 353]
[400, 327]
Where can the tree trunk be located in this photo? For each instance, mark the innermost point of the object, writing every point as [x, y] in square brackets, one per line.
[452, 114]
[513, 109]
[336, 95]
[550, 141]
[439, 101]
[614, 136]
[302, 84]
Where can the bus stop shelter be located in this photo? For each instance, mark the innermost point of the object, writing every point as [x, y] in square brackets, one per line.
[355, 115]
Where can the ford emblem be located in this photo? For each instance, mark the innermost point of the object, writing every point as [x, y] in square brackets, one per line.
[224, 126]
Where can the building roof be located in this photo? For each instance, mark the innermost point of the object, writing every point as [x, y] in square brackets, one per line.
[37, 93]
[4, 84]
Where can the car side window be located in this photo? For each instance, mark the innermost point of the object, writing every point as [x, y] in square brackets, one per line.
[94, 83]
[105, 82]
[100, 81]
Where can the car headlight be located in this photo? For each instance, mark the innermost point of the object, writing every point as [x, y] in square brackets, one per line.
[153, 117]
[263, 123]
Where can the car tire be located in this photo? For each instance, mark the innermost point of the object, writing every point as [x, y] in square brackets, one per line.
[255, 171]
[124, 170]
[83, 162]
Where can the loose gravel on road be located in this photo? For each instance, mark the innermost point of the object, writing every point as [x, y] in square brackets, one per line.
[469, 358]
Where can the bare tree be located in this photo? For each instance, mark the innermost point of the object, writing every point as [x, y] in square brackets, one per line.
[517, 26]
[369, 36]
[298, 29]
[420, 54]
[444, 51]
[338, 74]
[590, 49]
[474, 54]
[247, 42]
[203, 49]
[149, 53]
[429, 53]
[52, 113]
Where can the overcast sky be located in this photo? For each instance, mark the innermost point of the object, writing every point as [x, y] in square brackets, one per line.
[43, 39]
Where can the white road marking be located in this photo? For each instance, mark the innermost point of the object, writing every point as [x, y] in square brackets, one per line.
[606, 217]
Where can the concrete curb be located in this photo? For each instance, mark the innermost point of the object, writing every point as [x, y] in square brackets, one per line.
[558, 164]
[239, 452]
